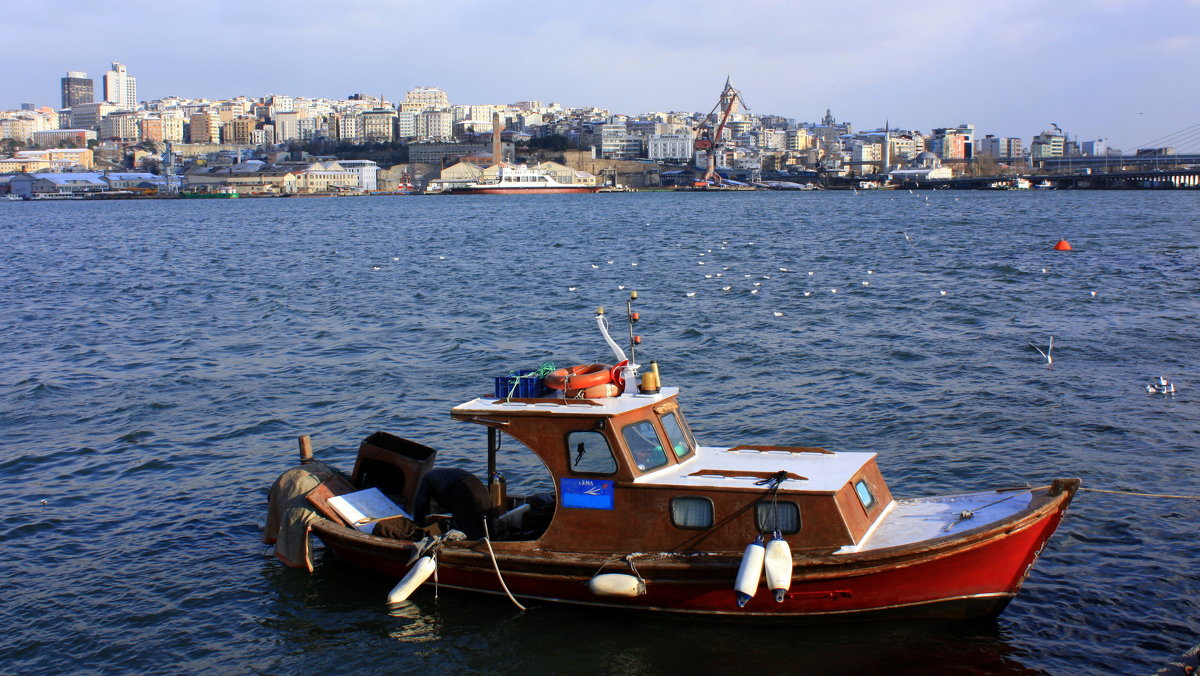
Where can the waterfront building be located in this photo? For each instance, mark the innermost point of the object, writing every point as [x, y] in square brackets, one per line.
[21, 124]
[120, 87]
[366, 171]
[434, 124]
[1007, 149]
[953, 143]
[670, 147]
[77, 88]
[1048, 144]
[1097, 148]
[924, 168]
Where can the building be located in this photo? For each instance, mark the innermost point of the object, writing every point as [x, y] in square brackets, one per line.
[1008, 149]
[121, 126]
[424, 98]
[366, 170]
[435, 124]
[88, 115]
[670, 147]
[924, 168]
[51, 138]
[1048, 144]
[379, 125]
[77, 88]
[120, 87]
[204, 128]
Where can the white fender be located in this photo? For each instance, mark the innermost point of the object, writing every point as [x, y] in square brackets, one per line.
[617, 584]
[417, 575]
[778, 564]
[750, 571]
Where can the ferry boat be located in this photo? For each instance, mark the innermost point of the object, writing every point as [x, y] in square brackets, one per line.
[643, 516]
[519, 179]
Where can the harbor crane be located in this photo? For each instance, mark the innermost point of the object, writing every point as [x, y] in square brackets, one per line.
[709, 138]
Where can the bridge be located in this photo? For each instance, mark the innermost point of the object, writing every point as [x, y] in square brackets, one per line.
[1154, 179]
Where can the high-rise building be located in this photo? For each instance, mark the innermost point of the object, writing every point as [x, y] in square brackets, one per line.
[77, 88]
[120, 87]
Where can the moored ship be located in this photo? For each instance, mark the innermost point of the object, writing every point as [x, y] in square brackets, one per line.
[519, 180]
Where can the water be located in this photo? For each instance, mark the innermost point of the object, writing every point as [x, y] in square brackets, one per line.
[161, 358]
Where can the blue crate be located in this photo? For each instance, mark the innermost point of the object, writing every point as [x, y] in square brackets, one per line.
[527, 388]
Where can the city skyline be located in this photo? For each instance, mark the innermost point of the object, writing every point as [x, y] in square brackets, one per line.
[1115, 69]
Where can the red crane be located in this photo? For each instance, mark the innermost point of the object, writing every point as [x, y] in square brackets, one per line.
[708, 138]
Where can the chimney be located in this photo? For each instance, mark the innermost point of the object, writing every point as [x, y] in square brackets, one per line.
[497, 148]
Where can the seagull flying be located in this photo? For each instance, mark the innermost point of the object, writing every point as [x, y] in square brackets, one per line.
[1047, 354]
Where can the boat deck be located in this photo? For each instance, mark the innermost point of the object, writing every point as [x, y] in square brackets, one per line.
[918, 519]
[810, 472]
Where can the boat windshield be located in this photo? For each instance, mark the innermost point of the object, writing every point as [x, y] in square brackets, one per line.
[677, 432]
[644, 444]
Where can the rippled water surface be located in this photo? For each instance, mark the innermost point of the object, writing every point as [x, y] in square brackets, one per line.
[160, 359]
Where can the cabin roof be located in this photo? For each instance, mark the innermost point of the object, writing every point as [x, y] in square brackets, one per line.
[822, 472]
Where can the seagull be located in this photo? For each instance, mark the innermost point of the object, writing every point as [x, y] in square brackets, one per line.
[1093, 294]
[620, 287]
[691, 294]
[943, 292]
[870, 272]
[1046, 354]
[807, 294]
[833, 291]
[441, 258]
[570, 288]
[610, 262]
[726, 288]
[777, 314]
[758, 284]
[753, 290]
[375, 267]
[1043, 271]
[719, 274]
[395, 258]
[701, 254]
[699, 262]
[595, 267]
[633, 265]
[708, 276]
[866, 284]
[783, 269]
[810, 273]
[747, 276]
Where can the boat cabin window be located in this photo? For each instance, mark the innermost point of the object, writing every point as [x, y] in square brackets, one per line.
[644, 444]
[677, 432]
[588, 453]
[777, 516]
[691, 512]
[864, 494]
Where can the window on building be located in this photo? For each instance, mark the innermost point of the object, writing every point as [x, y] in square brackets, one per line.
[644, 445]
[588, 452]
[771, 515]
[689, 512]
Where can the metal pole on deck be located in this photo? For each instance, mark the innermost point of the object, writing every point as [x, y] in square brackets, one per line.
[491, 469]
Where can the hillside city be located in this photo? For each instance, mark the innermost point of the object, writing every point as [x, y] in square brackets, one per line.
[279, 144]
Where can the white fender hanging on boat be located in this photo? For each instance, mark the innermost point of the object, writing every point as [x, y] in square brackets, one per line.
[750, 571]
[617, 584]
[778, 564]
[416, 576]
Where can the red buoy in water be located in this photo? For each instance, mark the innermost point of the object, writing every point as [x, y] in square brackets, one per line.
[1063, 245]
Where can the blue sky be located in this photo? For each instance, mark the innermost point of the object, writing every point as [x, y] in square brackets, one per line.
[1125, 70]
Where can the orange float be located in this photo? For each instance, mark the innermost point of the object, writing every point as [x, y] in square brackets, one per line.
[1063, 245]
[579, 377]
[600, 391]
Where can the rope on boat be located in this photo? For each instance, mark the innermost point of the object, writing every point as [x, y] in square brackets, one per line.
[1141, 495]
[487, 540]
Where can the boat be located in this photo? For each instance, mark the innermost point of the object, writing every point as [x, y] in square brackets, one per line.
[1044, 185]
[518, 179]
[644, 517]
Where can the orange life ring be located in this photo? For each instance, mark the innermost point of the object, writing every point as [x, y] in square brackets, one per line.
[579, 377]
[600, 391]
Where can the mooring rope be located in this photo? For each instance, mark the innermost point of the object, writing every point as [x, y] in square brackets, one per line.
[1142, 495]
[487, 540]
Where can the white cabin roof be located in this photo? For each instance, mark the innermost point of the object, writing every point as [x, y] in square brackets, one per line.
[607, 407]
[823, 472]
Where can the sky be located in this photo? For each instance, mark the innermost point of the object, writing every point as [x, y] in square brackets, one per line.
[1121, 70]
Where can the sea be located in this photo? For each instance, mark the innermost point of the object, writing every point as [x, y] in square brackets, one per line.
[160, 359]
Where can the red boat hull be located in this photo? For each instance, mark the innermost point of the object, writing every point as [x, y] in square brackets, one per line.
[975, 574]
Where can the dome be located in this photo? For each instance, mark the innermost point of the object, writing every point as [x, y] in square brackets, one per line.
[926, 159]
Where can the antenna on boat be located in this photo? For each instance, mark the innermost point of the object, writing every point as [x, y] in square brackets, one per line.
[627, 365]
